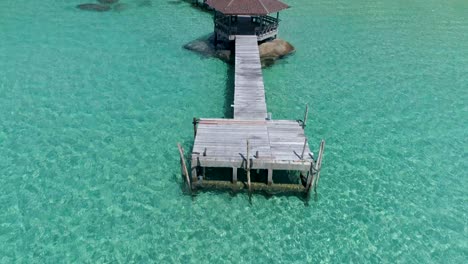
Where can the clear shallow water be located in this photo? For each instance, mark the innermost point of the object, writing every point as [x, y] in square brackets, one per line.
[92, 105]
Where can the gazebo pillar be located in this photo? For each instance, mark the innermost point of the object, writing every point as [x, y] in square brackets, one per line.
[215, 31]
[261, 23]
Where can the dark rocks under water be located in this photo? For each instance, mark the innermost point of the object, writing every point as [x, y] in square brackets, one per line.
[115, 5]
[270, 51]
[108, 1]
[94, 7]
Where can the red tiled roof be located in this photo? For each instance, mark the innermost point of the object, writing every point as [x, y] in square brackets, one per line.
[247, 7]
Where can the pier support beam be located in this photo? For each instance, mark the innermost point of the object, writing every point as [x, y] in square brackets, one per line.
[234, 175]
[194, 174]
[194, 170]
[270, 177]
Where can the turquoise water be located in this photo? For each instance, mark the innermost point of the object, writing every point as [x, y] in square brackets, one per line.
[93, 104]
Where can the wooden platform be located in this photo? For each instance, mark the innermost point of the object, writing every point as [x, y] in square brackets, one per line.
[274, 144]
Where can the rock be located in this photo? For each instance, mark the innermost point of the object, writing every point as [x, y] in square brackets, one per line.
[94, 7]
[273, 50]
[202, 46]
[108, 2]
[269, 51]
[224, 55]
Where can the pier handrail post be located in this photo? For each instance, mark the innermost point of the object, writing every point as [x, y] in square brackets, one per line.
[184, 167]
[248, 165]
[306, 115]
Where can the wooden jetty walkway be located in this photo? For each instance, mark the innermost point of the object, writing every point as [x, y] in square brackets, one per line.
[249, 92]
[251, 141]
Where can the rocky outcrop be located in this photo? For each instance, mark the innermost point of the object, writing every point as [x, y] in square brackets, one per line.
[273, 50]
[269, 51]
[94, 7]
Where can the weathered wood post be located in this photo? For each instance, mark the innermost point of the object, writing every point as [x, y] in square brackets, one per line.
[248, 165]
[318, 164]
[270, 177]
[215, 29]
[303, 149]
[310, 176]
[234, 175]
[195, 122]
[306, 115]
[194, 170]
[183, 166]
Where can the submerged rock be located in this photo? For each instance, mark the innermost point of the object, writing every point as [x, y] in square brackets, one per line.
[108, 1]
[201, 46]
[94, 7]
[224, 55]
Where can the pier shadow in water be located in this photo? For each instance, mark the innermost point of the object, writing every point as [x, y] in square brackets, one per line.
[229, 92]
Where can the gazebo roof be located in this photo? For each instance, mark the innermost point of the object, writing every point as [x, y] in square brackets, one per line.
[247, 7]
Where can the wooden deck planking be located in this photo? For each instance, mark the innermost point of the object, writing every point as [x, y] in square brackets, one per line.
[279, 143]
[249, 91]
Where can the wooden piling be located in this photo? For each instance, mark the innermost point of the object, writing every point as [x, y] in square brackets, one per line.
[234, 175]
[318, 164]
[310, 176]
[248, 164]
[194, 173]
[184, 166]
[306, 115]
[195, 121]
[270, 177]
[303, 149]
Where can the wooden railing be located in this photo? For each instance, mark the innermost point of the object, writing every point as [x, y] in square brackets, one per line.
[222, 23]
[267, 25]
[264, 25]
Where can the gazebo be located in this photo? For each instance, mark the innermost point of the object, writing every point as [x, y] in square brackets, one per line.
[245, 17]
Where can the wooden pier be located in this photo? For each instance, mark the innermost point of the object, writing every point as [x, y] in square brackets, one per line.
[251, 141]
